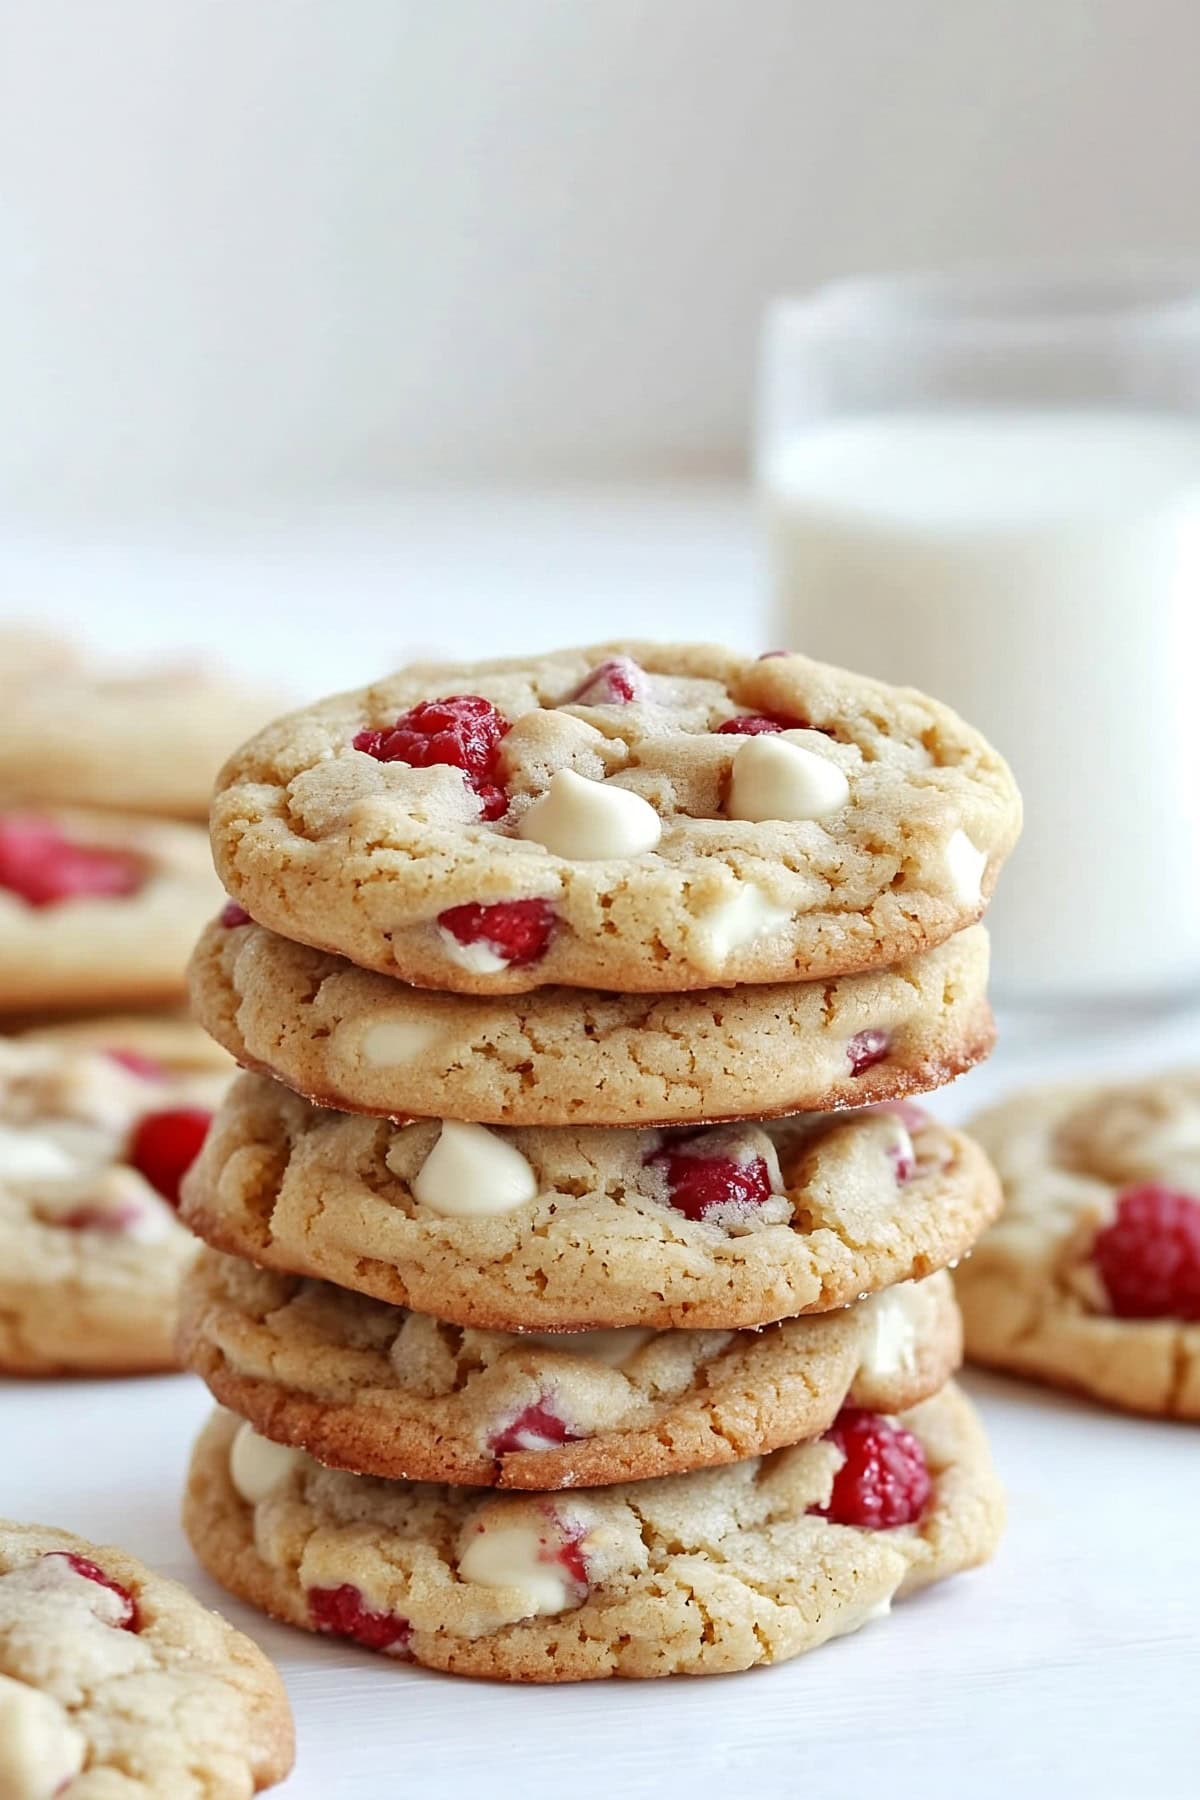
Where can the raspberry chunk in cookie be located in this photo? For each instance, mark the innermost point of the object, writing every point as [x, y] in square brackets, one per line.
[718, 1177]
[343, 1612]
[165, 1144]
[760, 725]
[537, 1427]
[865, 1049]
[45, 868]
[884, 1481]
[517, 932]
[233, 915]
[463, 731]
[618, 681]
[1149, 1257]
[125, 1616]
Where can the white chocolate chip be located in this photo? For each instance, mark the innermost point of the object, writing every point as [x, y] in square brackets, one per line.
[965, 865]
[739, 919]
[52, 1576]
[257, 1467]
[590, 820]
[479, 957]
[40, 1749]
[32, 1155]
[394, 1041]
[471, 1173]
[615, 1347]
[892, 1343]
[512, 1556]
[776, 778]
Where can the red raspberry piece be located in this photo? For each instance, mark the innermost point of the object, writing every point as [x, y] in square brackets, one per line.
[1149, 1257]
[95, 1218]
[618, 680]
[83, 1565]
[517, 930]
[165, 1144]
[568, 1548]
[884, 1481]
[759, 724]
[340, 1611]
[463, 731]
[697, 1185]
[143, 1066]
[232, 914]
[770, 655]
[866, 1048]
[538, 1420]
[44, 867]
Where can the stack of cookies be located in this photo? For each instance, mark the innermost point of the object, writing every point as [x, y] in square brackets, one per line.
[581, 1001]
[105, 879]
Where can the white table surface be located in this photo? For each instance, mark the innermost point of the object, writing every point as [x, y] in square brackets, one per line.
[1070, 1666]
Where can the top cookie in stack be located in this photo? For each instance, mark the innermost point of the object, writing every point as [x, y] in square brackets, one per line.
[678, 897]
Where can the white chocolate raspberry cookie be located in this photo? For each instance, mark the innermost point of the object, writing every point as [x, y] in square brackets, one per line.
[97, 909]
[117, 1684]
[75, 735]
[357, 1040]
[372, 1388]
[643, 818]
[1091, 1277]
[561, 1230]
[692, 1574]
[93, 1144]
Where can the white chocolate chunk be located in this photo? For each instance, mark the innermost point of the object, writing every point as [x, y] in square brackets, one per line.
[257, 1467]
[775, 778]
[590, 820]
[479, 958]
[391, 1042]
[892, 1342]
[522, 1558]
[52, 1576]
[614, 1347]
[471, 1173]
[965, 865]
[741, 918]
[40, 1749]
[32, 1155]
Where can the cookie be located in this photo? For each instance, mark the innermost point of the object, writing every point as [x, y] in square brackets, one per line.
[638, 817]
[572, 1229]
[1091, 1278]
[372, 1388]
[93, 1143]
[357, 1040]
[97, 909]
[72, 734]
[116, 1684]
[691, 1574]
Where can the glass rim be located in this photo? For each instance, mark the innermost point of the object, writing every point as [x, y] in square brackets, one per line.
[1036, 300]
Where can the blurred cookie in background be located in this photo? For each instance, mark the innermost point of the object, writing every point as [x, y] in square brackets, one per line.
[147, 742]
[99, 1122]
[98, 909]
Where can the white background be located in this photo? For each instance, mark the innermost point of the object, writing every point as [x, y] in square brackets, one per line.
[302, 244]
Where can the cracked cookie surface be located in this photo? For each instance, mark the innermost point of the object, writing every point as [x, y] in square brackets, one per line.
[567, 1229]
[98, 909]
[93, 1122]
[116, 1684]
[661, 818]
[1036, 1299]
[363, 1042]
[378, 1390]
[691, 1574]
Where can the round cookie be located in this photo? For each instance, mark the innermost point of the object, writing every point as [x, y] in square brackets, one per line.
[1090, 1279]
[369, 1387]
[359, 1041]
[117, 1682]
[692, 1574]
[560, 1230]
[92, 1145]
[97, 909]
[638, 817]
[74, 735]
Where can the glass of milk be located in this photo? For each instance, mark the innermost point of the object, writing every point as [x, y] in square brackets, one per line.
[989, 487]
